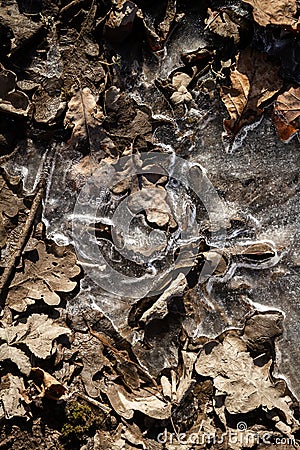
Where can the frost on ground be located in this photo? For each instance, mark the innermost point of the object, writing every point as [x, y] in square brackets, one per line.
[149, 224]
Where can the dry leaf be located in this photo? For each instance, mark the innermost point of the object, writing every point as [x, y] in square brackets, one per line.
[84, 116]
[247, 386]
[37, 334]
[277, 12]
[50, 387]
[125, 403]
[11, 400]
[220, 23]
[182, 95]
[11, 100]
[120, 20]
[9, 208]
[254, 81]
[181, 79]
[17, 356]
[41, 279]
[160, 308]
[286, 113]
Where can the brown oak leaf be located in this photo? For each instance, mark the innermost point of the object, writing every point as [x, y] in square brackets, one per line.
[287, 113]
[254, 81]
[279, 12]
[37, 334]
[42, 278]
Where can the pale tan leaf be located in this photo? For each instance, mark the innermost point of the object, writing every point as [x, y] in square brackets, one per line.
[17, 356]
[125, 403]
[42, 279]
[37, 334]
[11, 401]
[277, 12]
[83, 115]
[220, 23]
[246, 386]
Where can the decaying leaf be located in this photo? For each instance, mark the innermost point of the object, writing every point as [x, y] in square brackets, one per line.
[9, 208]
[12, 403]
[49, 386]
[279, 12]
[42, 277]
[37, 333]
[220, 23]
[246, 386]
[160, 308]
[287, 113]
[11, 100]
[17, 356]
[119, 22]
[125, 403]
[90, 355]
[254, 81]
[84, 116]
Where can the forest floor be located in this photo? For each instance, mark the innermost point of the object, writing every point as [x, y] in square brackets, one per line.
[149, 224]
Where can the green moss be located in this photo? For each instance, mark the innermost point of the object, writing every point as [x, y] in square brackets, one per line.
[80, 421]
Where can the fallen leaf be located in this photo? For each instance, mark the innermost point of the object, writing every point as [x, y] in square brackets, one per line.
[182, 95]
[9, 208]
[254, 81]
[287, 113]
[50, 387]
[17, 356]
[279, 12]
[125, 403]
[12, 403]
[160, 308]
[42, 278]
[37, 333]
[11, 100]
[119, 22]
[220, 23]
[85, 117]
[246, 386]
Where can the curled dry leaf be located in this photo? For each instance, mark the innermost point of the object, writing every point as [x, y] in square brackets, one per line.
[154, 202]
[125, 403]
[160, 308]
[254, 81]
[246, 386]
[287, 113]
[49, 386]
[37, 334]
[278, 12]
[11, 100]
[41, 278]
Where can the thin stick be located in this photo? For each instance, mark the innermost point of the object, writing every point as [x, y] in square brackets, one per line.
[23, 240]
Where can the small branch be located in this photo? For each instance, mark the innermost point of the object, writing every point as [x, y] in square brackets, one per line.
[24, 238]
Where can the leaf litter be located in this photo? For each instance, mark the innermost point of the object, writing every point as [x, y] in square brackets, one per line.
[198, 356]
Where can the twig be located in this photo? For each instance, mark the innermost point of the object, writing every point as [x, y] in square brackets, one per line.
[117, 352]
[23, 240]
